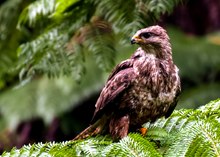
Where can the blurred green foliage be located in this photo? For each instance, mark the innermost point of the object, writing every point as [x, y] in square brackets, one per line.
[198, 61]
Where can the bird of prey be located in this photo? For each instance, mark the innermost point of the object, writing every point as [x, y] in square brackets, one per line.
[140, 89]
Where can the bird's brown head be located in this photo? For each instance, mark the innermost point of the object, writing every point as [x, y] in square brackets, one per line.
[152, 39]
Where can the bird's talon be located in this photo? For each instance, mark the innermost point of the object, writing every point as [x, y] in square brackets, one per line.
[143, 131]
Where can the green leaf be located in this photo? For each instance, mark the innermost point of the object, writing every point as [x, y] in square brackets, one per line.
[36, 11]
[186, 132]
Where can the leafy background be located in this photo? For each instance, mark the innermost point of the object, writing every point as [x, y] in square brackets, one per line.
[55, 56]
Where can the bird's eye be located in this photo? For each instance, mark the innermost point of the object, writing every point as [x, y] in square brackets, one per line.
[146, 35]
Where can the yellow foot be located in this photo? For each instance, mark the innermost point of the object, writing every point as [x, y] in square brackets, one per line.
[143, 131]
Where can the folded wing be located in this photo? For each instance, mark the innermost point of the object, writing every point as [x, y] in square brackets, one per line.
[119, 80]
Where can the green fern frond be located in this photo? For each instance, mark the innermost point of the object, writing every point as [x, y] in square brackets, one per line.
[49, 49]
[158, 7]
[212, 109]
[9, 39]
[132, 145]
[46, 54]
[199, 135]
[156, 134]
[211, 135]
[62, 6]
[29, 150]
[194, 139]
[130, 16]
[192, 131]
[103, 51]
[183, 142]
[175, 122]
[36, 11]
[88, 147]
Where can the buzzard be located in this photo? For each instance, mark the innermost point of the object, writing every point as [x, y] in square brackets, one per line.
[140, 89]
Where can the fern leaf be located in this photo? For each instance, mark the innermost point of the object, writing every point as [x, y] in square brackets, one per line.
[160, 7]
[104, 52]
[192, 131]
[156, 134]
[88, 147]
[193, 140]
[211, 109]
[47, 52]
[211, 135]
[198, 135]
[133, 145]
[182, 144]
[35, 11]
[62, 6]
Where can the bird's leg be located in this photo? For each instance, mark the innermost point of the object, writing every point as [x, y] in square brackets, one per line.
[119, 126]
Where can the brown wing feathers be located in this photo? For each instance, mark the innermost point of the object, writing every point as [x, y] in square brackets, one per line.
[116, 84]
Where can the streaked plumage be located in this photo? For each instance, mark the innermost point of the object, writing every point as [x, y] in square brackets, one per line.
[140, 89]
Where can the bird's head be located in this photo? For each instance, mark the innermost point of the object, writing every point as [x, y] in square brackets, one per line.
[153, 39]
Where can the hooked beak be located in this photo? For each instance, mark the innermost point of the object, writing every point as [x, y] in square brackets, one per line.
[133, 41]
[136, 40]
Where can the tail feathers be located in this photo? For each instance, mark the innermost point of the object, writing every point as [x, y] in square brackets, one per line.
[92, 130]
